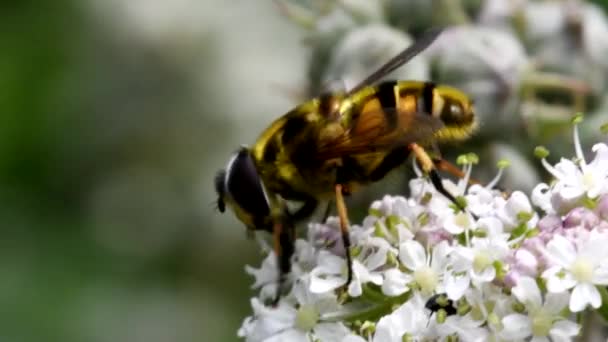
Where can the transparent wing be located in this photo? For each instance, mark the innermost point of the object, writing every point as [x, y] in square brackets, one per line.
[372, 132]
[400, 59]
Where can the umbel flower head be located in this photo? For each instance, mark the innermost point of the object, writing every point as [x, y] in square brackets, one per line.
[510, 268]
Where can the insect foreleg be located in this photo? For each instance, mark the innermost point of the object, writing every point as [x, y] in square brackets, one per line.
[428, 167]
[342, 213]
[444, 165]
[283, 233]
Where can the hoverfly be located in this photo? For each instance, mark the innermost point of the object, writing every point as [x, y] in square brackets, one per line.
[329, 146]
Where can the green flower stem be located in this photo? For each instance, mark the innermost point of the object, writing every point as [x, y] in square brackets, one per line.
[367, 312]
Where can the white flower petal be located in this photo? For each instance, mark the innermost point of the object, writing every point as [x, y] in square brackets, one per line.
[452, 227]
[395, 282]
[456, 286]
[594, 248]
[516, 326]
[564, 331]
[412, 255]
[330, 263]
[462, 258]
[353, 338]
[556, 302]
[267, 322]
[330, 331]
[557, 283]
[440, 256]
[354, 288]
[570, 193]
[527, 292]
[486, 275]
[560, 251]
[378, 258]
[567, 170]
[491, 225]
[600, 275]
[320, 283]
[582, 295]
[289, 335]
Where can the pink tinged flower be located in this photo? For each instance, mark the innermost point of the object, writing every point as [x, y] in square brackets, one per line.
[327, 235]
[581, 217]
[578, 265]
[549, 223]
[602, 208]
[525, 263]
[433, 237]
[543, 320]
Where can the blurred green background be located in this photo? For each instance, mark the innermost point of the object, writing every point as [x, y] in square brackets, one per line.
[114, 117]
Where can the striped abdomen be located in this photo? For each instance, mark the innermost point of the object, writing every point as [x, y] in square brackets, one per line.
[449, 105]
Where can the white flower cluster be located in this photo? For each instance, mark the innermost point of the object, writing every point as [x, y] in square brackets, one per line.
[510, 272]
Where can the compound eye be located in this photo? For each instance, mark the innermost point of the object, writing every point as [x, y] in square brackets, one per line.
[456, 110]
[244, 185]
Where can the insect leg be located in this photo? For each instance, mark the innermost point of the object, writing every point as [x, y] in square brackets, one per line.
[444, 165]
[341, 206]
[428, 167]
[283, 233]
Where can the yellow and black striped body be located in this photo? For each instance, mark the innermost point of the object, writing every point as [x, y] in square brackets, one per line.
[357, 139]
[329, 146]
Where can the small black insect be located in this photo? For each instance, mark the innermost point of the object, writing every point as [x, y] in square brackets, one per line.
[441, 301]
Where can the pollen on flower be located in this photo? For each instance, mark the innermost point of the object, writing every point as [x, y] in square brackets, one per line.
[588, 180]
[307, 317]
[462, 220]
[426, 278]
[541, 323]
[481, 261]
[582, 269]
